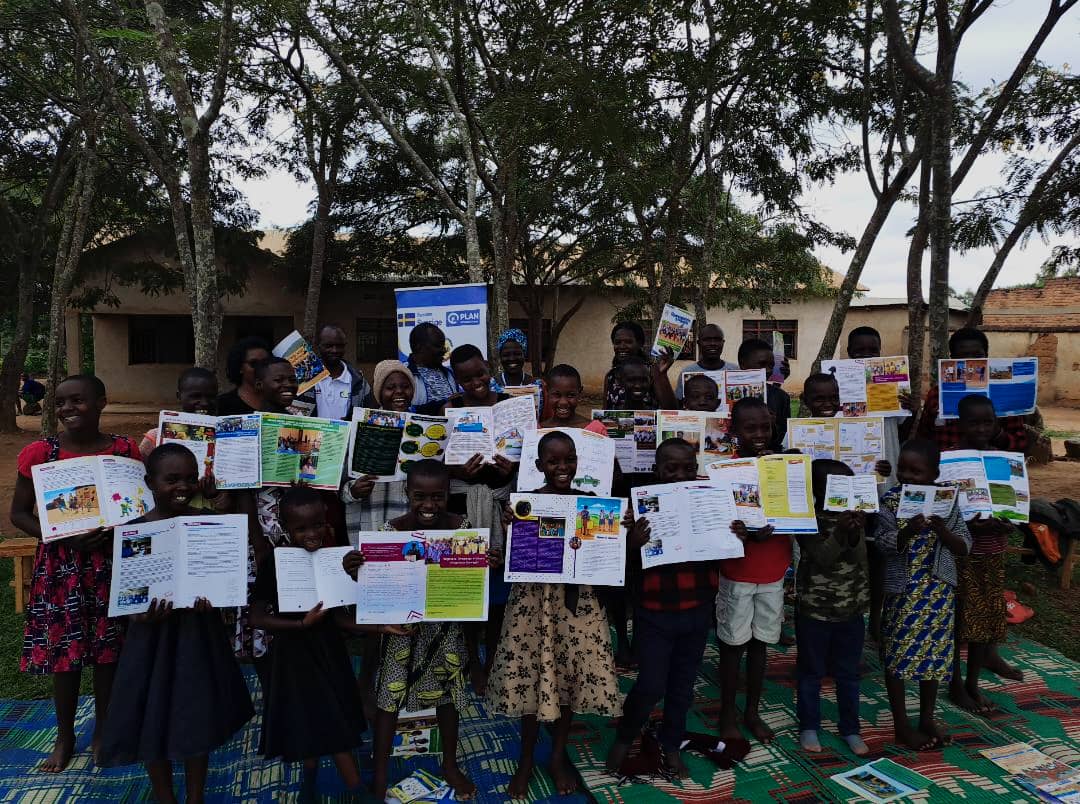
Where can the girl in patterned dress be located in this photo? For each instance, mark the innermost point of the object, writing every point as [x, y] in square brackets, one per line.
[554, 656]
[918, 617]
[420, 666]
[67, 623]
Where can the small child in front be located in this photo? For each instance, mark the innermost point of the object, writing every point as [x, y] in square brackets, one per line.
[833, 593]
[183, 694]
[918, 615]
[671, 626]
[311, 705]
[980, 593]
[750, 603]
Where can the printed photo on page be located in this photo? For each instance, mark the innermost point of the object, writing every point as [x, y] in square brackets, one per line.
[688, 522]
[926, 500]
[851, 493]
[375, 442]
[741, 383]
[194, 431]
[595, 461]
[634, 434]
[706, 432]
[1012, 384]
[298, 448]
[989, 483]
[77, 495]
[305, 361]
[225, 446]
[674, 330]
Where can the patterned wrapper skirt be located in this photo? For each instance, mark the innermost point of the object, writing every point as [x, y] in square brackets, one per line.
[981, 598]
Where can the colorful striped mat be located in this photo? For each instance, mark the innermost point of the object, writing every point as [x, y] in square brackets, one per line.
[1043, 710]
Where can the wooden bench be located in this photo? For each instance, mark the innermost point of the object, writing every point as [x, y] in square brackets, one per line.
[22, 550]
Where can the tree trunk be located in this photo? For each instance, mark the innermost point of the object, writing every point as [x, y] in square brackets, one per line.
[15, 356]
[916, 307]
[206, 316]
[68, 250]
[940, 225]
[320, 235]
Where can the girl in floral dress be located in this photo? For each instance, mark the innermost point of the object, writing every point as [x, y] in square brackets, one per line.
[67, 623]
[554, 657]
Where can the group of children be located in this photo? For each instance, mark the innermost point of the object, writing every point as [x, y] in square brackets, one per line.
[927, 584]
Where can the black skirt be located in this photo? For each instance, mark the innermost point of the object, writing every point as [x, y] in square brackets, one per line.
[178, 693]
[311, 705]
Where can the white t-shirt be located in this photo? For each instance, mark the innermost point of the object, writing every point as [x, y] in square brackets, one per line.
[332, 396]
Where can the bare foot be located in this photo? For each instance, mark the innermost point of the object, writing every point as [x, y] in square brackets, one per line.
[464, 789]
[478, 677]
[519, 782]
[60, 757]
[786, 639]
[564, 775]
[912, 738]
[674, 764]
[728, 727]
[999, 667]
[616, 756]
[933, 730]
[960, 695]
[762, 733]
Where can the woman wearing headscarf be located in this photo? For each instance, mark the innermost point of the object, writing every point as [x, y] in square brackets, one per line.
[512, 347]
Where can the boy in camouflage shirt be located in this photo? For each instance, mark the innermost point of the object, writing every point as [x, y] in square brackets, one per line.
[833, 592]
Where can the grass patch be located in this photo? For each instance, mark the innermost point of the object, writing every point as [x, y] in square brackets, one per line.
[1056, 611]
[1070, 434]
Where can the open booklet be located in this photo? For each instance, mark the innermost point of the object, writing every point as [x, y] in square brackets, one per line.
[227, 446]
[851, 493]
[595, 461]
[871, 386]
[882, 780]
[531, 391]
[305, 361]
[385, 443]
[423, 575]
[496, 430]
[303, 448]
[566, 538]
[990, 483]
[733, 385]
[180, 559]
[770, 490]
[706, 432]
[77, 495]
[674, 330]
[1011, 383]
[1036, 772]
[926, 500]
[858, 442]
[307, 578]
[634, 435]
[688, 522]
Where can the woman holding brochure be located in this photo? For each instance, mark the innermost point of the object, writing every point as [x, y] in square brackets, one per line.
[67, 623]
[554, 656]
[181, 692]
[420, 666]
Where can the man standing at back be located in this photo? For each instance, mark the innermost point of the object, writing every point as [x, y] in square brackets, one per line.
[346, 387]
[710, 355]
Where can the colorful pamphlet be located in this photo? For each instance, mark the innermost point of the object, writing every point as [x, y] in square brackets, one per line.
[305, 361]
[851, 493]
[77, 495]
[674, 330]
[423, 576]
[179, 560]
[871, 386]
[771, 490]
[688, 522]
[303, 448]
[882, 780]
[307, 578]
[225, 446]
[496, 430]
[1037, 773]
[990, 483]
[857, 442]
[566, 538]
[420, 787]
[386, 443]
[732, 385]
[707, 432]
[595, 461]
[416, 736]
[634, 434]
[926, 500]
[1011, 383]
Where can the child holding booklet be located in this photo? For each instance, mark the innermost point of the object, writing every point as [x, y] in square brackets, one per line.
[821, 396]
[920, 581]
[671, 626]
[554, 655]
[197, 392]
[628, 342]
[833, 593]
[980, 593]
[750, 603]
[478, 492]
[67, 622]
[420, 666]
[311, 706]
[183, 692]
[757, 354]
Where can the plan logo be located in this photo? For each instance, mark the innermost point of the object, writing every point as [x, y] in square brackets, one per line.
[463, 318]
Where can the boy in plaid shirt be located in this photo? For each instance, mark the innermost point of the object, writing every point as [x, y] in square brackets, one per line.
[671, 625]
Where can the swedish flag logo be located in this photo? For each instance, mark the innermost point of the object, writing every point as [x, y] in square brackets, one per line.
[406, 320]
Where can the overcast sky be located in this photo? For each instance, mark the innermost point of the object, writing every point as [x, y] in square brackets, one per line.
[989, 52]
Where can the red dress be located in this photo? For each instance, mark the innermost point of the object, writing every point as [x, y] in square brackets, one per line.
[67, 622]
